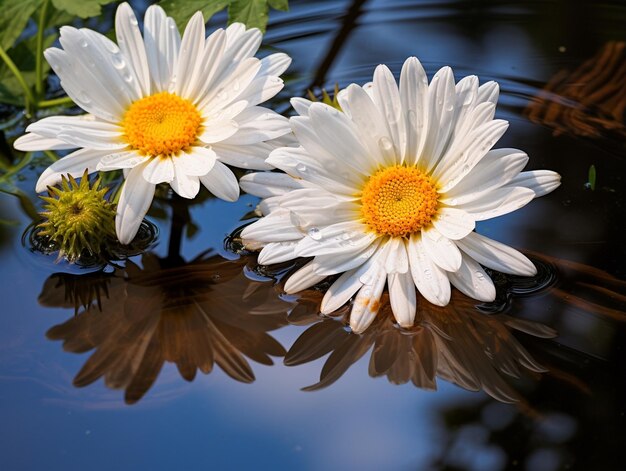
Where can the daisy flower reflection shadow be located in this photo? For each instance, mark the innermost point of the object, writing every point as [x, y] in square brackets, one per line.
[459, 343]
[138, 318]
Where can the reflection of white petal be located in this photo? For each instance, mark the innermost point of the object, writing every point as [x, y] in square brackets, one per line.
[134, 202]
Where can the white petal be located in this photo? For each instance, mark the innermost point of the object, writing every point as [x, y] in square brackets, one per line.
[387, 98]
[367, 303]
[441, 250]
[335, 239]
[267, 184]
[454, 223]
[497, 168]
[250, 157]
[337, 134]
[431, 281]
[489, 93]
[210, 63]
[227, 89]
[190, 63]
[133, 205]
[498, 202]
[241, 42]
[199, 161]
[131, 43]
[541, 182]
[185, 185]
[441, 103]
[217, 131]
[80, 87]
[52, 126]
[413, 96]
[221, 182]
[303, 279]
[466, 96]
[162, 42]
[276, 227]
[456, 164]
[301, 105]
[258, 124]
[123, 159]
[341, 291]
[33, 142]
[472, 281]
[74, 164]
[396, 259]
[496, 255]
[277, 252]
[299, 163]
[159, 170]
[402, 298]
[99, 63]
[352, 258]
[371, 127]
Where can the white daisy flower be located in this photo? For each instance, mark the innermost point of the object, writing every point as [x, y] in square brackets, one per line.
[164, 109]
[388, 192]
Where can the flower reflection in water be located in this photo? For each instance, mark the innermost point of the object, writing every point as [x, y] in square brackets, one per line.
[589, 101]
[458, 343]
[195, 315]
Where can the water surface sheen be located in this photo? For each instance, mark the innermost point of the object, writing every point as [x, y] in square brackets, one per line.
[174, 360]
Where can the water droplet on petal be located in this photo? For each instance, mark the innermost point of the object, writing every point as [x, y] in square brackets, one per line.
[314, 233]
[301, 168]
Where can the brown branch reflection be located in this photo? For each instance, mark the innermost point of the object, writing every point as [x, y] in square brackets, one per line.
[589, 101]
[457, 343]
[194, 315]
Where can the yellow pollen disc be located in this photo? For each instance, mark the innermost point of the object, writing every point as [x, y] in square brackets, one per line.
[398, 201]
[162, 124]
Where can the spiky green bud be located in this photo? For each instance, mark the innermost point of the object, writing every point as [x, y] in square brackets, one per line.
[77, 218]
[326, 99]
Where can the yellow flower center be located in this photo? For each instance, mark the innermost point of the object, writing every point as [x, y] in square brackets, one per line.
[398, 201]
[162, 124]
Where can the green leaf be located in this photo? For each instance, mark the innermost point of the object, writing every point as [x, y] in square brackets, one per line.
[14, 16]
[282, 5]
[592, 177]
[252, 13]
[81, 8]
[182, 10]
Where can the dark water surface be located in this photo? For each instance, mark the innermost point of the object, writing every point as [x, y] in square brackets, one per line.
[185, 335]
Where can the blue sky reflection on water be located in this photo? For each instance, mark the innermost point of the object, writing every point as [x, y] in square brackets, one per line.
[358, 422]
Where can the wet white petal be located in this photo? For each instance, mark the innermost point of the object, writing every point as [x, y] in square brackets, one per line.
[441, 250]
[402, 298]
[472, 281]
[221, 182]
[134, 202]
[431, 281]
[73, 164]
[496, 255]
[454, 223]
